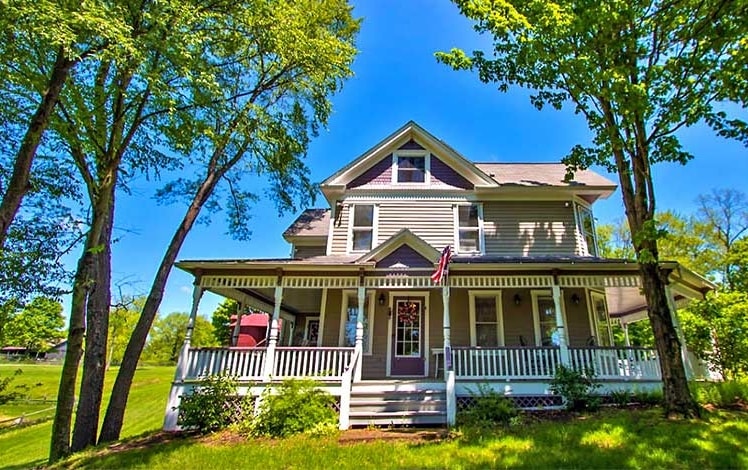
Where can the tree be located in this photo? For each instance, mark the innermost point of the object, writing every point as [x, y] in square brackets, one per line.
[287, 58]
[638, 72]
[715, 329]
[37, 327]
[168, 335]
[220, 320]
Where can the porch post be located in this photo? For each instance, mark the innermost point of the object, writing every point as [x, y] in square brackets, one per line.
[449, 373]
[626, 339]
[237, 327]
[177, 388]
[679, 331]
[360, 330]
[273, 340]
[560, 327]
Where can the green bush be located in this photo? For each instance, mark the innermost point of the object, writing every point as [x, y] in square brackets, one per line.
[297, 406]
[212, 405]
[576, 388]
[489, 409]
[721, 394]
[6, 393]
[621, 397]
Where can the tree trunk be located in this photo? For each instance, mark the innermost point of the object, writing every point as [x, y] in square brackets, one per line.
[94, 360]
[18, 185]
[60, 440]
[677, 397]
[115, 412]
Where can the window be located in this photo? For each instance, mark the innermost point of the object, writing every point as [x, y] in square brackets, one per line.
[350, 312]
[601, 321]
[411, 168]
[469, 220]
[586, 226]
[486, 319]
[311, 331]
[544, 310]
[362, 227]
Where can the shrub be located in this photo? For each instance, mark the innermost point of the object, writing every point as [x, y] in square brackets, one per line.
[489, 409]
[576, 388]
[212, 405]
[6, 393]
[647, 397]
[621, 397]
[297, 406]
[722, 394]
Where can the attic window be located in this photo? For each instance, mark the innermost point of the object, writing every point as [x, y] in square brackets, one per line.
[411, 167]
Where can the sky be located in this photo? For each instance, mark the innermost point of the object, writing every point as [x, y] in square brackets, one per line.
[397, 79]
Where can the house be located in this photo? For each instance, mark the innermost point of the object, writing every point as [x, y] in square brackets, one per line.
[526, 290]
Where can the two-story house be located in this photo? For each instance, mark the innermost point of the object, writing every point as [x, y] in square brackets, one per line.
[525, 291]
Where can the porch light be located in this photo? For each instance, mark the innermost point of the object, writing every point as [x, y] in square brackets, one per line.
[381, 298]
[575, 298]
[517, 299]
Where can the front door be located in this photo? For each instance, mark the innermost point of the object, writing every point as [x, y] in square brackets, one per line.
[407, 342]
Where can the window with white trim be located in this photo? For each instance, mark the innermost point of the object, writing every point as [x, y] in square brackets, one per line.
[601, 319]
[350, 314]
[411, 167]
[362, 227]
[586, 226]
[486, 326]
[469, 221]
[544, 313]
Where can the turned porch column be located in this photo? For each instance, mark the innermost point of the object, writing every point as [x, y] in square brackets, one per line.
[563, 346]
[359, 346]
[626, 339]
[273, 339]
[449, 373]
[238, 326]
[177, 388]
[679, 331]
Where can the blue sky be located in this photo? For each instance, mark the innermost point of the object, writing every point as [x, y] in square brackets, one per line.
[397, 79]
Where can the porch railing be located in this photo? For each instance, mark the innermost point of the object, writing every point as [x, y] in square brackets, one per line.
[629, 363]
[244, 364]
[615, 363]
[321, 363]
[505, 362]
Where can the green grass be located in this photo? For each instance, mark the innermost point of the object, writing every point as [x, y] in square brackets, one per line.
[611, 439]
[29, 446]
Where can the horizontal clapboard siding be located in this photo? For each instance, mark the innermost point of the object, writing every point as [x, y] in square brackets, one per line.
[340, 231]
[305, 251]
[529, 228]
[433, 221]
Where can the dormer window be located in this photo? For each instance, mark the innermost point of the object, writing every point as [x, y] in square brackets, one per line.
[362, 228]
[410, 167]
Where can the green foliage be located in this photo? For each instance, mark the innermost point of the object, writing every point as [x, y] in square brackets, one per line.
[297, 406]
[577, 388]
[167, 337]
[488, 410]
[6, 394]
[647, 397]
[620, 397]
[212, 405]
[716, 330]
[722, 394]
[220, 321]
[640, 334]
[37, 327]
[122, 319]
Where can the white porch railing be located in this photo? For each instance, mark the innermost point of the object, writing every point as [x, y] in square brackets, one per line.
[628, 363]
[505, 362]
[244, 364]
[616, 363]
[321, 363]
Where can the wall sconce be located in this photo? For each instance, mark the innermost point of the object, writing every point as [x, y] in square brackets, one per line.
[381, 299]
[575, 298]
[517, 299]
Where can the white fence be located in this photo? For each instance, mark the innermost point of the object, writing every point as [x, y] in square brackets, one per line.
[617, 362]
[320, 363]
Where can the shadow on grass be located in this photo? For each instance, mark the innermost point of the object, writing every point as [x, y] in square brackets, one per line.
[635, 439]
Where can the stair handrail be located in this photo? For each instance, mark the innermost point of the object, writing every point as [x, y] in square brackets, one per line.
[345, 391]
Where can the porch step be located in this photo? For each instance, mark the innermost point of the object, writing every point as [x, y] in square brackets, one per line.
[397, 403]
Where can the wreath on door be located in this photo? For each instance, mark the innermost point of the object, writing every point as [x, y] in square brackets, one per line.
[407, 312]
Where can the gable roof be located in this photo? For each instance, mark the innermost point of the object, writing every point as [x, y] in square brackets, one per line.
[335, 184]
[310, 223]
[541, 174]
[402, 237]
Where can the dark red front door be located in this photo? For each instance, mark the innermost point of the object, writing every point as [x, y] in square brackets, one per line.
[407, 341]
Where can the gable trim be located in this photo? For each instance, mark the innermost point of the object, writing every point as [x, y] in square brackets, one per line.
[403, 237]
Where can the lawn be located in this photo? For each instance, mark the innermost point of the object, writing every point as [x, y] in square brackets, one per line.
[29, 446]
[611, 439]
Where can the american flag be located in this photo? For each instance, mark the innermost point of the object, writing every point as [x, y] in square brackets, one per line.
[443, 267]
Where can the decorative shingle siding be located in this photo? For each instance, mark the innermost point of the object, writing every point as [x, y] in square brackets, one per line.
[411, 145]
[378, 175]
[529, 228]
[442, 174]
[406, 256]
